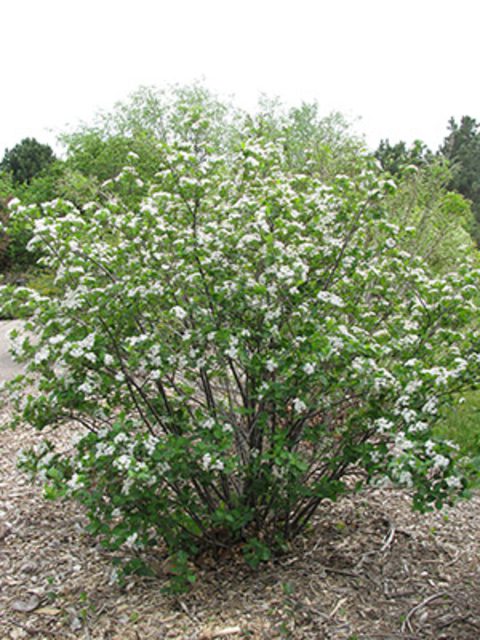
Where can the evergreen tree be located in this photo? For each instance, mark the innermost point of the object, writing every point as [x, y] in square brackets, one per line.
[394, 158]
[462, 148]
[26, 160]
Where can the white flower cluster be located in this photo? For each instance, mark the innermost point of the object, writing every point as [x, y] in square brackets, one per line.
[210, 464]
[330, 298]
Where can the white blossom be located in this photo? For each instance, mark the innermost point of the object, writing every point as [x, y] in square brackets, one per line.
[206, 461]
[42, 355]
[454, 482]
[271, 365]
[440, 462]
[383, 425]
[431, 406]
[86, 388]
[405, 478]
[309, 368]
[299, 405]
[122, 463]
[75, 482]
[330, 298]
[179, 312]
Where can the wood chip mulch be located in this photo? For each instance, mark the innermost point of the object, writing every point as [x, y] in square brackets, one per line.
[370, 569]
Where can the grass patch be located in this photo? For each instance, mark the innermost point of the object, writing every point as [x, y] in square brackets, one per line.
[461, 425]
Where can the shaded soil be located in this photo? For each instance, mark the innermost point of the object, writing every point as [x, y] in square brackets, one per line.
[369, 569]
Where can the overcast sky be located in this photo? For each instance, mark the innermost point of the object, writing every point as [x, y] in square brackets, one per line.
[404, 67]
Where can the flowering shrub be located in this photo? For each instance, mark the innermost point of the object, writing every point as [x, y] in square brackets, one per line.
[236, 347]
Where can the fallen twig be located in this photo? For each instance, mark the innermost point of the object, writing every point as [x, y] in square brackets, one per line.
[455, 619]
[220, 633]
[342, 572]
[406, 623]
[388, 539]
[184, 607]
[337, 607]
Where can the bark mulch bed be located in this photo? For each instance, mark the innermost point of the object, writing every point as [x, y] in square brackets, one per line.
[369, 569]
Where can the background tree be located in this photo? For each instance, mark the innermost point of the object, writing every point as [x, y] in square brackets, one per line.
[43, 185]
[26, 160]
[324, 146]
[5, 196]
[462, 148]
[150, 118]
[395, 158]
[435, 223]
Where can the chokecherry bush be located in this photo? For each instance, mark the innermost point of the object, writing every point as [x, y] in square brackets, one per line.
[237, 351]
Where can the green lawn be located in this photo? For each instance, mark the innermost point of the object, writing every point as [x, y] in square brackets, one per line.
[462, 425]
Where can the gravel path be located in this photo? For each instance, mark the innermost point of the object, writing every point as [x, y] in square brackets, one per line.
[8, 368]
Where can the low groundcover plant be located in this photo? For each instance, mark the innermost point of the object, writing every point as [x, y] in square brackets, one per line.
[236, 346]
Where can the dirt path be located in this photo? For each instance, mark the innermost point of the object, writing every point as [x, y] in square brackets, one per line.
[8, 368]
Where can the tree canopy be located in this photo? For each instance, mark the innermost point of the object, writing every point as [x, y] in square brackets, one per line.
[462, 148]
[395, 158]
[26, 160]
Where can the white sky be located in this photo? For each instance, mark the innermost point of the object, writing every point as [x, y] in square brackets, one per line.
[405, 67]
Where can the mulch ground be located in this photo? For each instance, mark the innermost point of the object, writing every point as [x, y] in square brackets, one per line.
[370, 568]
